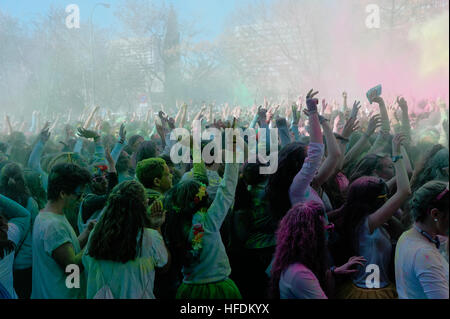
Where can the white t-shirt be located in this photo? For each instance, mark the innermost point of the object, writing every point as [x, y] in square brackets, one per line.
[132, 280]
[50, 231]
[6, 263]
[421, 271]
[298, 282]
[377, 249]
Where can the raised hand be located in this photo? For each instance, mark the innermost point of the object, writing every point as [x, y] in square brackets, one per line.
[374, 123]
[324, 106]
[44, 135]
[398, 140]
[356, 106]
[311, 102]
[122, 133]
[402, 104]
[350, 126]
[271, 113]
[157, 214]
[110, 160]
[295, 114]
[87, 133]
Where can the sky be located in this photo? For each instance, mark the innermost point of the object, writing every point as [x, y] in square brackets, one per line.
[210, 15]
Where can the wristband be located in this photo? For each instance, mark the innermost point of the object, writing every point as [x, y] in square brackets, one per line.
[341, 138]
[396, 158]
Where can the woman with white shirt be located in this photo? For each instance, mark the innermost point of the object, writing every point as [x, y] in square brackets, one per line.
[14, 223]
[421, 271]
[365, 212]
[123, 252]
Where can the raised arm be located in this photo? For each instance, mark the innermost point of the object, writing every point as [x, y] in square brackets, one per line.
[386, 211]
[34, 162]
[328, 167]
[374, 123]
[313, 160]
[224, 198]
[118, 147]
[15, 213]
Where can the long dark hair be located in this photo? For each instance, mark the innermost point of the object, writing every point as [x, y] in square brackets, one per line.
[362, 200]
[290, 161]
[181, 207]
[300, 239]
[115, 235]
[12, 184]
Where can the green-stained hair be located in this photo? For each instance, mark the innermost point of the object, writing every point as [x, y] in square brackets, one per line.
[149, 169]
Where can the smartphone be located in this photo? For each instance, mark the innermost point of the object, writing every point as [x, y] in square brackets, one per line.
[377, 89]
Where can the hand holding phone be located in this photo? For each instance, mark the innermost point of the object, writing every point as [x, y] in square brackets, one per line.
[374, 93]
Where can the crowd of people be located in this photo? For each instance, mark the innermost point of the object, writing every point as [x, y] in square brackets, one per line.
[358, 208]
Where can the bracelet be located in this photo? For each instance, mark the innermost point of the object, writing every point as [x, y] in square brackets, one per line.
[341, 138]
[396, 158]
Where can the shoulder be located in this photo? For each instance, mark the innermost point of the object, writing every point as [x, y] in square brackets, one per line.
[14, 233]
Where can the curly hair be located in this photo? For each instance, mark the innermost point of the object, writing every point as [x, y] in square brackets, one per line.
[300, 239]
[12, 184]
[66, 177]
[125, 216]
[149, 169]
[290, 161]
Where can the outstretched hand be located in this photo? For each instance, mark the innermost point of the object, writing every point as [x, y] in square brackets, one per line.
[157, 214]
[351, 266]
[312, 102]
[374, 123]
[350, 126]
[402, 104]
[398, 140]
[356, 106]
[122, 133]
[87, 133]
[44, 135]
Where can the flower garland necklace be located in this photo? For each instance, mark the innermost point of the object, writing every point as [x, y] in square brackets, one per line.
[198, 230]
